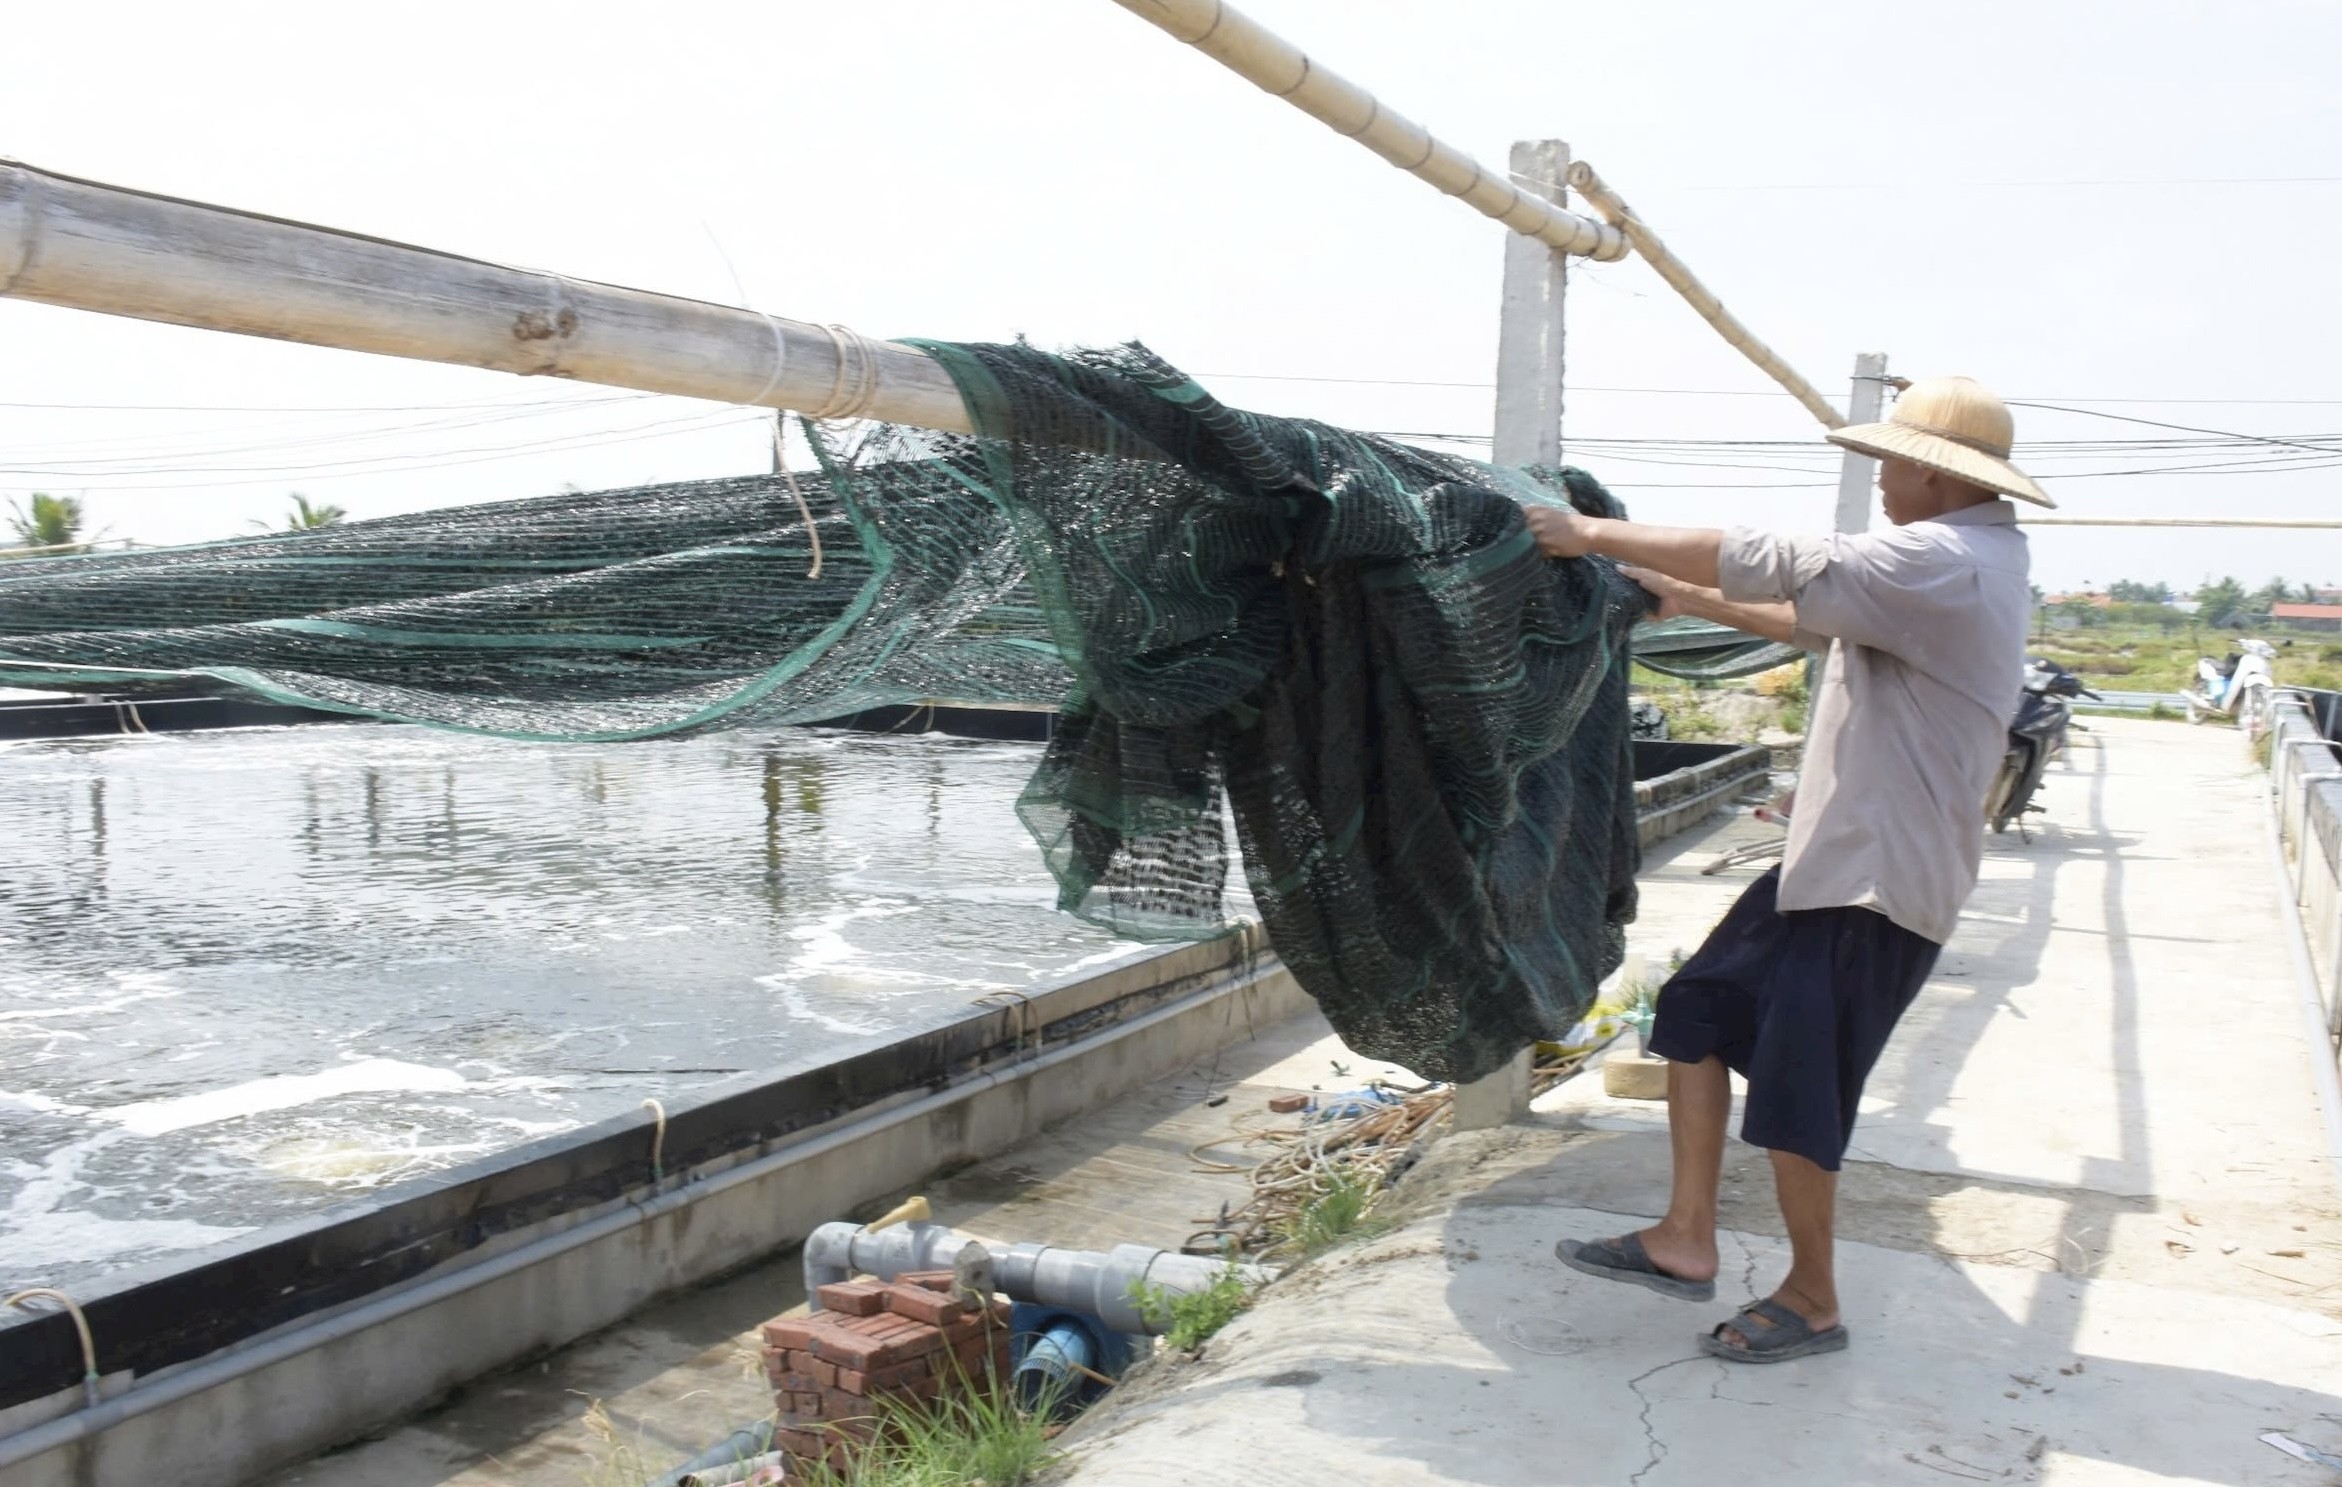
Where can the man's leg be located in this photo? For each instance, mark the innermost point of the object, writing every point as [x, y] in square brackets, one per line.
[1809, 1206]
[1699, 1099]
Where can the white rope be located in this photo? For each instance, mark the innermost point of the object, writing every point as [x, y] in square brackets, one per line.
[89, 1347]
[854, 399]
[658, 1139]
[804, 512]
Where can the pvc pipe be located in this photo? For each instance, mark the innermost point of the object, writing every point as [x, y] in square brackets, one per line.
[1086, 1281]
[1711, 309]
[1100, 1285]
[1276, 66]
[226, 1368]
[737, 1471]
[744, 1444]
[1055, 1365]
[840, 1251]
[89, 246]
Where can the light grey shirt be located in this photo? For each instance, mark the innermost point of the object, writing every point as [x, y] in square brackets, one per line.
[1925, 627]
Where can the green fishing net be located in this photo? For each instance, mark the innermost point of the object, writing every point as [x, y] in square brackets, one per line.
[1345, 648]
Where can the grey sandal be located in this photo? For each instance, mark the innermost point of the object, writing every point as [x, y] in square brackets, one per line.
[1775, 1335]
[1623, 1259]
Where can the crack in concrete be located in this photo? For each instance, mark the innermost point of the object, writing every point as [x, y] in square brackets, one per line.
[1656, 1446]
[1748, 1275]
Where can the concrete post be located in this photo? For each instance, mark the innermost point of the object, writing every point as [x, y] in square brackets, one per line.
[1856, 472]
[1528, 432]
[1529, 335]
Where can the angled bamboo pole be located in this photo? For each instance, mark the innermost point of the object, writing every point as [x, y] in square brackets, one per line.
[88, 246]
[1711, 309]
[1275, 65]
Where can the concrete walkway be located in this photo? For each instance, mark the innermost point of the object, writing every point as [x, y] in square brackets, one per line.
[2090, 1233]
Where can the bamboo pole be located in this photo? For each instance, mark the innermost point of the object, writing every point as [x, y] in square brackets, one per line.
[1275, 65]
[1613, 207]
[89, 246]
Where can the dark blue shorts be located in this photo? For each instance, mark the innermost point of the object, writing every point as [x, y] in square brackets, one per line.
[1800, 1004]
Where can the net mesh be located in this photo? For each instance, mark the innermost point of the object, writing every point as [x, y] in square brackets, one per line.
[1347, 647]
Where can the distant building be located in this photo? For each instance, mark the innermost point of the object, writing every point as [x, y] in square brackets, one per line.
[2309, 616]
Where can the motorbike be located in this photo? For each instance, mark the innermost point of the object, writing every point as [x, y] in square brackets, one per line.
[2233, 686]
[2045, 713]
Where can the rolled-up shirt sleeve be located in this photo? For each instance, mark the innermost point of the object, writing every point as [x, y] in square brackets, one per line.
[1759, 567]
[1862, 588]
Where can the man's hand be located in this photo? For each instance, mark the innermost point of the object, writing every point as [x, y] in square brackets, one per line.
[1670, 591]
[1560, 533]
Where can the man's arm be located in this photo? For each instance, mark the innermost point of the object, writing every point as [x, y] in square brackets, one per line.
[1776, 622]
[1687, 553]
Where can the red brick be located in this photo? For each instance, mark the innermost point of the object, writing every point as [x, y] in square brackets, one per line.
[973, 1352]
[978, 1324]
[921, 1390]
[855, 1298]
[794, 1383]
[848, 1350]
[789, 1332]
[894, 1377]
[930, 1280]
[931, 1307]
[841, 1407]
[881, 1325]
[1288, 1104]
[800, 1442]
[825, 1372]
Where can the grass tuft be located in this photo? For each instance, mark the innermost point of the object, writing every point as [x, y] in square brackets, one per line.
[976, 1436]
[1189, 1321]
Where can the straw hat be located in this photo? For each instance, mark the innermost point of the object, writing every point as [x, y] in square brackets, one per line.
[1954, 425]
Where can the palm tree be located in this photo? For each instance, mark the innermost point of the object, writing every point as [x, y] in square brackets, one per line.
[306, 517]
[48, 521]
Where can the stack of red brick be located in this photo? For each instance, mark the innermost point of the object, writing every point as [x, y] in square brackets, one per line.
[909, 1341]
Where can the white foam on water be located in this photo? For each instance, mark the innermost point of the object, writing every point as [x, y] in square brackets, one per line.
[39, 1104]
[44, 1234]
[1122, 951]
[796, 1004]
[280, 1092]
[133, 987]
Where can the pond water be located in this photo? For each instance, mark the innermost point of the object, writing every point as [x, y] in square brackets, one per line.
[245, 975]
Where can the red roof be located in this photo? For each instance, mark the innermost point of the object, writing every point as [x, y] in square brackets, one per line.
[2305, 611]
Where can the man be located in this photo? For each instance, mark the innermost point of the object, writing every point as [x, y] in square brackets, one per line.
[1800, 984]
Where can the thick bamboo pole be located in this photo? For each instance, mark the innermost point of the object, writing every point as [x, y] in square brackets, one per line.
[1646, 243]
[94, 247]
[1276, 66]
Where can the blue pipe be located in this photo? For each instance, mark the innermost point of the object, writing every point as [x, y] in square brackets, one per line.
[1052, 1368]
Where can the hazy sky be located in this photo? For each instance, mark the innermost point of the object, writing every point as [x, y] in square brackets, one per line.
[2128, 206]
